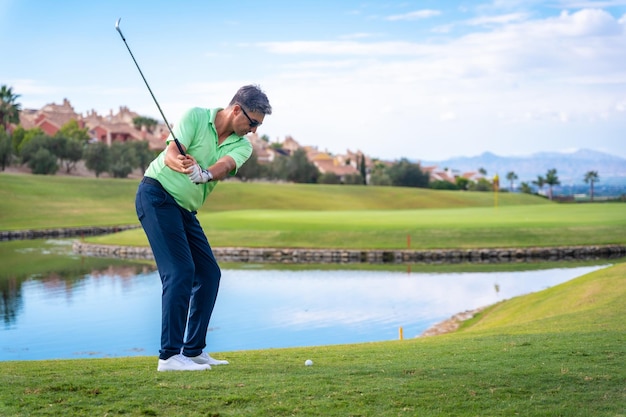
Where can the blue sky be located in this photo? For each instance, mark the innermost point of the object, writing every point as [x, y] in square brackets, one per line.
[427, 80]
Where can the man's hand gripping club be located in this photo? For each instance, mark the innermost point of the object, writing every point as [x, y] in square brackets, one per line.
[199, 175]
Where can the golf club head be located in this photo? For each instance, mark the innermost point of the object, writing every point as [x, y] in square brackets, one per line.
[117, 25]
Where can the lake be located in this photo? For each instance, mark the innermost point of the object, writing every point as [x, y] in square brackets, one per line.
[114, 310]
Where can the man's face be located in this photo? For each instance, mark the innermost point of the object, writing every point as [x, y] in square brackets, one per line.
[247, 122]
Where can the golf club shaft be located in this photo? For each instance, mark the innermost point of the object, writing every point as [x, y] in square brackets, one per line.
[178, 145]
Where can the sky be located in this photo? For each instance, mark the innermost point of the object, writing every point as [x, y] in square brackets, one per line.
[424, 80]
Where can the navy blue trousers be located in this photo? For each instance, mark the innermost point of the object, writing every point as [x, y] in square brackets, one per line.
[190, 275]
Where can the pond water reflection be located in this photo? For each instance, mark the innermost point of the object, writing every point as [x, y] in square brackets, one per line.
[115, 310]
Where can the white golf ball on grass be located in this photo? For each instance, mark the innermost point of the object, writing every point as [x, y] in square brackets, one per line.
[308, 362]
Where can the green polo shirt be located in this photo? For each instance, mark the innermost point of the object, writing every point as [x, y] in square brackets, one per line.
[196, 131]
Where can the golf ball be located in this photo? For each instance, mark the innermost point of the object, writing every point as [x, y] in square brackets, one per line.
[308, 362]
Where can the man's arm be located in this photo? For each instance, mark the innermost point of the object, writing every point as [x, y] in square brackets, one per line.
[222, 167]
[218, 171]
[177, 162]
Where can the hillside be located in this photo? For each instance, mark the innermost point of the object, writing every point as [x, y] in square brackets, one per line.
[34, 201]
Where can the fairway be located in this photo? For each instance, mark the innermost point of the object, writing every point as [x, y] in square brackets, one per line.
[514, 226]
[321, 216]
[37, 201]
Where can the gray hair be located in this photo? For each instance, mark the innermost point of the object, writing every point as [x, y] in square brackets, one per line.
[253, 99]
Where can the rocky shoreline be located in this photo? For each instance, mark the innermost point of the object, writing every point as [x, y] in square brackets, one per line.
[373, 256]
[60, 233]
[336, 256]
[452, 324]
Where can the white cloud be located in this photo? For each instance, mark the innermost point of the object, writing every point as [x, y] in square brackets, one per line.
[415, 15]
[587, 22]
[360, 35]
[586, 4]
[346, 48]
[28, 87]
[561, 70]
[500, 19]
[447, 116]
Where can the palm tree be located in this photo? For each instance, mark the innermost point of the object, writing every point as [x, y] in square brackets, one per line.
[511, 176]
[552, 179]
[525, 188]
[540, 182]
[590, 178]
[9, 109]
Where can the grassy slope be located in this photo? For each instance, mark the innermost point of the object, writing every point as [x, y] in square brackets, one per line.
[558, 352]
[472, 227]
[35, 201]
[569, 307]
[300, 215]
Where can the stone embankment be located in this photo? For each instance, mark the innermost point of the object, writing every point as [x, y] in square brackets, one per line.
[346, 256]
[337, 256]
[452, 324]
[61, 233]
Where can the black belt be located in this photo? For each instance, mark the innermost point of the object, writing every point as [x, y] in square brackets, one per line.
[152, 181]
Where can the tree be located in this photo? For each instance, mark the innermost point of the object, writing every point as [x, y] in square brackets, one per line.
[380, 178]
[69, 151]
[123, 160]
[590, 178]
[525, 188]
[482, 171]
[20, 139]
[17, 137]
[462, 183]
[6, 149]
[251, 169]
[443, 185]
[9, 108]
[482, 184]
[143, 154]
[148, 122]
[552, 179]
[35, 141]
[328, 178]
[511, 176]
[295, 168]
[300, 169]
[97, 158]
[72, 130]
[539, 182]
[363, 169]
[407, 174]
[378, 174]
[43, 162]
[353, 179]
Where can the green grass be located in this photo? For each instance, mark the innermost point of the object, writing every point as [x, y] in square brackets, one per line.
[41, 202]
[326, 216]
[513, 226]
[558, 352]
[36, 201]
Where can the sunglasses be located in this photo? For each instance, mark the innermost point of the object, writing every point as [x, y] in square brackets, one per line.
[253, 123]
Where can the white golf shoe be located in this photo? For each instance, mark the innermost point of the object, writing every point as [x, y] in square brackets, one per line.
[206, 359]
[181, 363]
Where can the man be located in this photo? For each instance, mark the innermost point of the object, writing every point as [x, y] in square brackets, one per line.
[174, 187]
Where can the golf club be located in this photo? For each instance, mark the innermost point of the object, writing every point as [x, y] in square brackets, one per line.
[180, 148]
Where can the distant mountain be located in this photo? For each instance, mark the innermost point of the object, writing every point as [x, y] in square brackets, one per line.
[570, 167]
